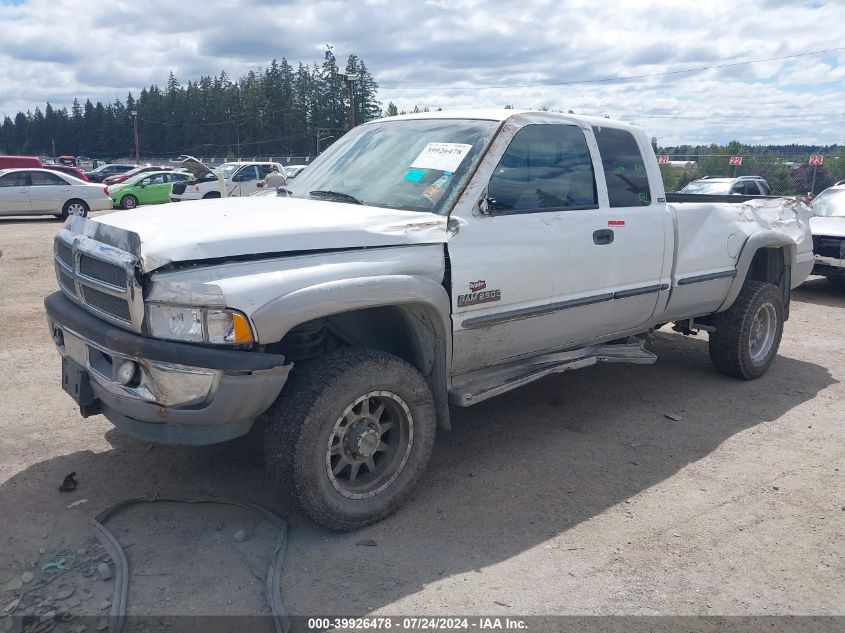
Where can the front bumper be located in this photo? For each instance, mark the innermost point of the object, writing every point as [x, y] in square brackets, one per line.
[183, 394]
[828, 266]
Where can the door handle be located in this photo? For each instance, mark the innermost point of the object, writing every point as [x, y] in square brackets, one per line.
[603, 237]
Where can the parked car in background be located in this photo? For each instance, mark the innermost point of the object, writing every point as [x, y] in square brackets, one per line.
[292, 171]
[109, 169]
[828, 227]
[68, 160]
[743, 186]
[16, 162]
[146, 188]
[76, 172]
[240, 178]
[117, 178]
[42, 192]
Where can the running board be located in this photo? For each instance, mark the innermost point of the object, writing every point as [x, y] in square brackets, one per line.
[483, 384]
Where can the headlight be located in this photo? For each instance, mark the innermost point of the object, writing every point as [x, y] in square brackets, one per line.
[198, 325]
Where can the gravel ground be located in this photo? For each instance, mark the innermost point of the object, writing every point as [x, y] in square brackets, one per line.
[573, 495]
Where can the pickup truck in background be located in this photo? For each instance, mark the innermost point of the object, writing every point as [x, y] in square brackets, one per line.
[422, 261]
[233, 179]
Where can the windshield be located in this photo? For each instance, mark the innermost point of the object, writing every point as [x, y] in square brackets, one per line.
[415, 165]
[830, 204]
[706, 186]
[227, 169]
[134, 180]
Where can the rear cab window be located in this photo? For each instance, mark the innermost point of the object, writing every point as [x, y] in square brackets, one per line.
[624, 168]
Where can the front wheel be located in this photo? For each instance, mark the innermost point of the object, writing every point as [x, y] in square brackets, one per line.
[350, 435]
[748, 334]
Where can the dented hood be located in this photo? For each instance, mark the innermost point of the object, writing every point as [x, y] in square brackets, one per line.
[233, 227]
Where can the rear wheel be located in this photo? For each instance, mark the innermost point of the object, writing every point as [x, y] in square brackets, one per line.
[74, 207]
[350, 435]
[212, 194]
[748, 334]
[128, 201]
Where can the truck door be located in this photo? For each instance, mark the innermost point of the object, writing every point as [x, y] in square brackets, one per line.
[642, 228]
[542, 270]
[245, 181]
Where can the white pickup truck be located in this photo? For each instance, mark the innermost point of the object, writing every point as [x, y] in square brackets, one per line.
[422, 261]
[233, 179]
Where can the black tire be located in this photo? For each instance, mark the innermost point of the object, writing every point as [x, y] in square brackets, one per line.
[738, 332]
[128, 202]
[303, 425]
[212, 194]
[74, 205]
[837, 280]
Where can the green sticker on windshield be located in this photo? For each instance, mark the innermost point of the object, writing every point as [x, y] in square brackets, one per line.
[415, 175]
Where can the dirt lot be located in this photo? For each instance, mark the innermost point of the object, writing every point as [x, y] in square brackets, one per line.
[574, 495]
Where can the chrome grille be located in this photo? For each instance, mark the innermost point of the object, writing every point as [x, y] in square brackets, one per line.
[66, 282]
[64, 253]
[107, 303]
[99, 277]
[102, 271]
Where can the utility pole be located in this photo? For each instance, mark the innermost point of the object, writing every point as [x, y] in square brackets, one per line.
[321, 130]
[134, 114]
[351, 78]
[53, 141]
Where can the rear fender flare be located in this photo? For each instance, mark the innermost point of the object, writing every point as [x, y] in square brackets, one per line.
[763, 239]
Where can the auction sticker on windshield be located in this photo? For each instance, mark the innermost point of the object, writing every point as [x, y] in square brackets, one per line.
[442, 156]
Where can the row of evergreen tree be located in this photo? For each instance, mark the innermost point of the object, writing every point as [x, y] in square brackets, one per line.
[280, 110]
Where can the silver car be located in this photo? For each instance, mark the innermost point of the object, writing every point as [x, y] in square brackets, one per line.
[42, 192]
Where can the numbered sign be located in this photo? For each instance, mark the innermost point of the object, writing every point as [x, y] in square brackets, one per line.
[816, 160]
[736, 161]
[663, 160]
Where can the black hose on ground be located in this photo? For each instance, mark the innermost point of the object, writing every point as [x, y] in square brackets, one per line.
[121, 585]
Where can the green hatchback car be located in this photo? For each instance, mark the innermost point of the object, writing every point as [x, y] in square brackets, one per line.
[148, 188]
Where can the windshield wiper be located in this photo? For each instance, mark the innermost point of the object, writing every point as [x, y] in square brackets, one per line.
[336, 195]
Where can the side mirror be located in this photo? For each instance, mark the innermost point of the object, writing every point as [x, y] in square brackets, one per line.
[239, 178]
[485, 205]
[142, 185]
[259, 184]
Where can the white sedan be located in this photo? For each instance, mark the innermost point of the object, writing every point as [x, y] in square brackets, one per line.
[41, 192]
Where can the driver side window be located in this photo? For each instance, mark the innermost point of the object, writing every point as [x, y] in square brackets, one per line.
[247, 174]
[545, 168]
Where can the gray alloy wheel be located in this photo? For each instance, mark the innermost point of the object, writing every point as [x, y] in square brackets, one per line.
[369, 445]
[763, 333]
[128, 202]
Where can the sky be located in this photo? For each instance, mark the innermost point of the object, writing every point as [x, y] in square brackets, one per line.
[465, 54]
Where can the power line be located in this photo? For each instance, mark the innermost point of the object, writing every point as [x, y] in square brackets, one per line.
[767, 117]
[620, 78]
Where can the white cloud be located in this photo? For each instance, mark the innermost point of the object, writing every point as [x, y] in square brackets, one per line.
[57, 49]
